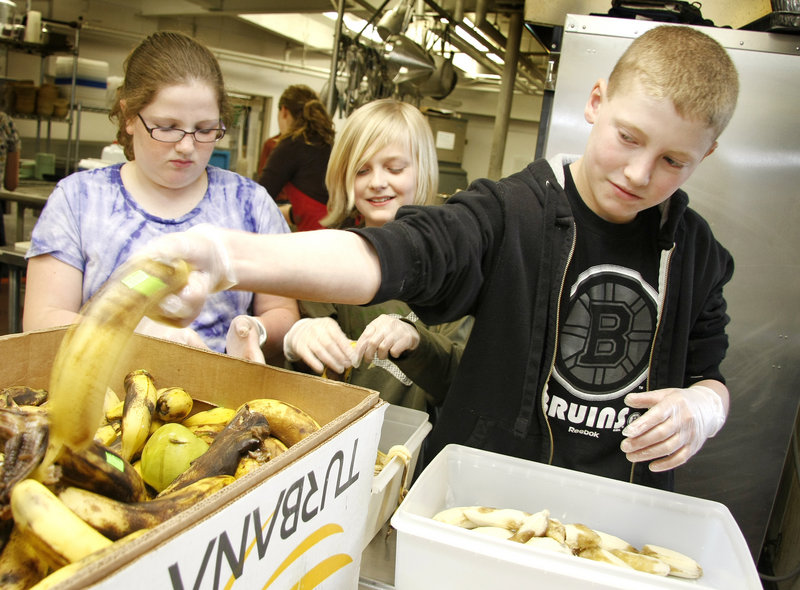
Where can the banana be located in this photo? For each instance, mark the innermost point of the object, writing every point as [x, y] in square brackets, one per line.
[140, 403]
[173, 404]
[56, 533]
[548, 543]
[579, 537]
[269, 448]
[597, 553]
[108, 433]
[100, 469]
[114, 411]
[242, 434]
[287, 423]
[455, 516]
[507, 518]
[22, 395]
[556, 531]
[680, 565]
[493, 531]
[89, 352]
[56, 578]
[214, 416]
[110, 401]
[642, 562]
[20, 565]
[114, 519]
[534, 525]
[612, 542]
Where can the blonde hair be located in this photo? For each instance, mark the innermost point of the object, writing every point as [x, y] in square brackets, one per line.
[686, 66]
[163, 59]
[368, 130]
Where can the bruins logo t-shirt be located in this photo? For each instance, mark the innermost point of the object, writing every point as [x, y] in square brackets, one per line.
[605, 339]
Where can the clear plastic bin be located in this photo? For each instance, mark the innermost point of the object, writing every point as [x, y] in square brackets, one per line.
[433, 555]
[401, 426]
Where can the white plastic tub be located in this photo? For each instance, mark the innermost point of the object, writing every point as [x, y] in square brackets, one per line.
[433, 555]
[401, 426]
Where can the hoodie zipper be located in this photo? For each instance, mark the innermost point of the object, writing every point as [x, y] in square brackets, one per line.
[555, 344]
[663, 275]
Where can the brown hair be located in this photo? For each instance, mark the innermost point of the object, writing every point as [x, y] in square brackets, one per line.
[311, 118]
[163, 59]
[685, 65]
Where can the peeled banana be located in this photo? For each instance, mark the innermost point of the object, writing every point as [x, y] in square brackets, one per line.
[541, 530]
[680, 565]
[91, 347]
[55, 532]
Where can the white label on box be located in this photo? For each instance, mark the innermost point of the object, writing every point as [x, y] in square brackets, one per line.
[301, 528]
[445, 140]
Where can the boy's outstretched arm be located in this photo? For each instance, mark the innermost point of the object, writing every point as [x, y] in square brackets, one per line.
[676, 424]
[322, 265]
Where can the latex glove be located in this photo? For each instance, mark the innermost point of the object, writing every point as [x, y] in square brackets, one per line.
[187, 336]
[319, 343]
[386, 335]
[246, 335]
[203, 248]
[675, 427]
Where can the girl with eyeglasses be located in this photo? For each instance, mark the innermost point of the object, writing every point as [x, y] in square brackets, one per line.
[171, 110]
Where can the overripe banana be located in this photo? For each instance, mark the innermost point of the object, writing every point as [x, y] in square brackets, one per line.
[287, 422]
[100, 469]
[548, 543]
[242, 434]
[137, 415]
[173, 404]
[269, 448]
[534, 525]
[115, 519]
[20, 564]
[56, 533]
[22, 395]
[91, 347]
[493, 531]
[580, 537]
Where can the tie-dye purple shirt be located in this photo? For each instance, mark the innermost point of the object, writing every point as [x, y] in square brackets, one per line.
[91, 222]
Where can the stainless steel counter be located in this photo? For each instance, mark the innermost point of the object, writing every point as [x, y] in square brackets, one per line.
[377, 561]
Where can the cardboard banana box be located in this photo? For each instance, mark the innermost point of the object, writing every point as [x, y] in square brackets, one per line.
[294, 522]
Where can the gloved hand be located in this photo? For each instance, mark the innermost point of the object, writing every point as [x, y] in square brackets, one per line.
[188, 336]
[319, 343]
[675, 427]
[386, 335]
[246, 335]
[203, 248]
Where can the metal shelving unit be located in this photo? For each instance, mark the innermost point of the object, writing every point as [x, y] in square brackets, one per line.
[57, 43]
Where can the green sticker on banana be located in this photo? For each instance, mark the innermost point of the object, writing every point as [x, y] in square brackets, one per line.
[115, 462]
[143, 283]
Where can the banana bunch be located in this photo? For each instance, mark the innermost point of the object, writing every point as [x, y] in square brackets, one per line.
[541, 530]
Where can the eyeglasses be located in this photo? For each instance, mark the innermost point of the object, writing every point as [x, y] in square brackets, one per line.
[172, 135]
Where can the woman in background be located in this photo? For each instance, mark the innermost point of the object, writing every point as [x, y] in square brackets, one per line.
[295, 169]
[383, 159]
[171, 110]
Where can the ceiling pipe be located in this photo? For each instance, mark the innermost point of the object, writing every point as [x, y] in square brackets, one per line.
[506, 97]
[479, 57]
[331, 98]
